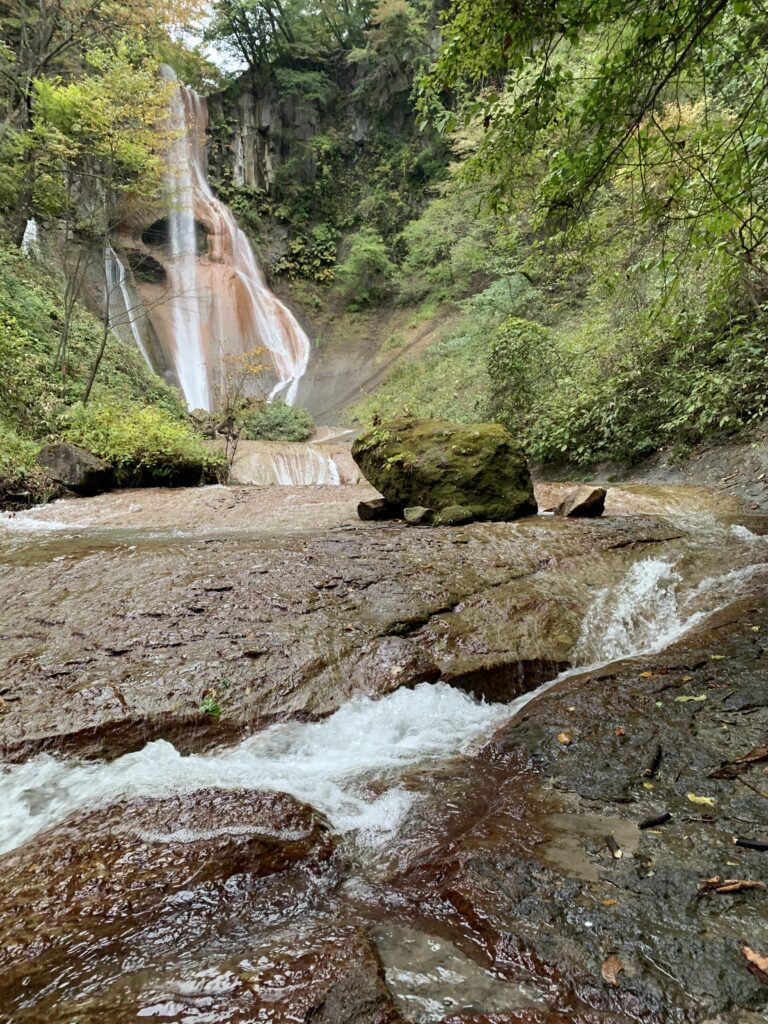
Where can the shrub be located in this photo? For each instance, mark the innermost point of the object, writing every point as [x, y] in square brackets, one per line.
[276, 421]
[367, 273]
[144, 444]
[19, 472]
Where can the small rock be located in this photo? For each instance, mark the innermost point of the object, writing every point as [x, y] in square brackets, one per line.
[76, 468]
[377, 509]
[418, 515]
[455, 515]
[583, 503]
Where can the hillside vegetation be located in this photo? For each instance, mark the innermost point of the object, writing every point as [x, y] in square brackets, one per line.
[569, 198]
[589, 200]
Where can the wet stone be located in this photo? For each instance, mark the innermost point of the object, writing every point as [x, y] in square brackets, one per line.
[418, 515]
[583, 503]
[124, 876]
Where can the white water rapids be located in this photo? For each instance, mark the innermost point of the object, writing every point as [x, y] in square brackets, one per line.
[331, 764]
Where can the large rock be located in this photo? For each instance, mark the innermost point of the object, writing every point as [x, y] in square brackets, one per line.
[76, 468]
[439, 465]
[583, 503]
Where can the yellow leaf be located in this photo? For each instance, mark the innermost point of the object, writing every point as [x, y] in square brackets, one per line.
[708, 800]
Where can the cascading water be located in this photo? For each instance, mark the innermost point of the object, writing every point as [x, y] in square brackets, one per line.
[117, 284]
[333, 764]
[212, 303]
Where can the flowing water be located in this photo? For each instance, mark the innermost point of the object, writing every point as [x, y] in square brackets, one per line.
[380, 771]
[117, 285]
[205, 295]
[294, 464]
[337, 763]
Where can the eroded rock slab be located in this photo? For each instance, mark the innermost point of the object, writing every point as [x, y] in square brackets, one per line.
[115, 638]
[533, 877]
[153, 880]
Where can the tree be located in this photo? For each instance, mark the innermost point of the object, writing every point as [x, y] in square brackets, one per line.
[98, 147]
[46, 38]
[579, 94]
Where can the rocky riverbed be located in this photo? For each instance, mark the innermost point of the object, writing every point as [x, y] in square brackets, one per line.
[190, 658]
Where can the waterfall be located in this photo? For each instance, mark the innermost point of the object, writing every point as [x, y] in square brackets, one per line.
[117, 283]
[31, 237]
[293, 464]
[217, 303]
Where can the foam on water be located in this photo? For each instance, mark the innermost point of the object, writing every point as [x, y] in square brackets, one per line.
[349, 765]
[641, 613]
[325, 763]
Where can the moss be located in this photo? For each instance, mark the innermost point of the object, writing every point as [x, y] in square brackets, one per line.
[439, 465]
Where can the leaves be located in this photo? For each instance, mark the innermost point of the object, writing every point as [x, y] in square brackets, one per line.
[611, 969]
[732, 769]
[565, 738]
[706, 801]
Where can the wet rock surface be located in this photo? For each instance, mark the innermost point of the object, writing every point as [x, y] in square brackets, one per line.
[150, 881]
[498, 899]
[114, 638]
[606, 751]
[583, 503]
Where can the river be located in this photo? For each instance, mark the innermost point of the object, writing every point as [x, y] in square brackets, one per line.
[175, 662]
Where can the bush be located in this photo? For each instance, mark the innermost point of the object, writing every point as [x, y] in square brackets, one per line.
[145, 445]
[20, 475]
[276, 421]
[367, 273]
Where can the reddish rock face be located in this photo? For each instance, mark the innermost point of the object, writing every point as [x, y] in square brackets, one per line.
[154, 878]
[327, 976]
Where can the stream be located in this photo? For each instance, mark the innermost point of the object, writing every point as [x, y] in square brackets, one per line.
[392, 770]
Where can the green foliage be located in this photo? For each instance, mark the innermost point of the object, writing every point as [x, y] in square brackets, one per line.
[311, 256]
[142, 443]
[210, 706]
[276, 421]
[19, 471]
[103, 127]
[519, 367]
[367, 273]
[33, 391]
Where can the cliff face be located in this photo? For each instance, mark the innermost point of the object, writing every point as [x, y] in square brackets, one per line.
[263, 125]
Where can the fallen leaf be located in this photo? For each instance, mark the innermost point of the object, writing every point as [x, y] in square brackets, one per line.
[610, 903]
[755, 755]
[647, 785]
[618, 731]
[645, 675]
[686, 698]
[612, 968]
[686, 679]
[565, 737]
[717, 657]
[708, 800]
[758, 963]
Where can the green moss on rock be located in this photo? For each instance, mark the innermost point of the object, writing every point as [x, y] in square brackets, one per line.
[438, 464]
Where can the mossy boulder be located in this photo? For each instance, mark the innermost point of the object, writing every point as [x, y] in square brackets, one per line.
[439, 465]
